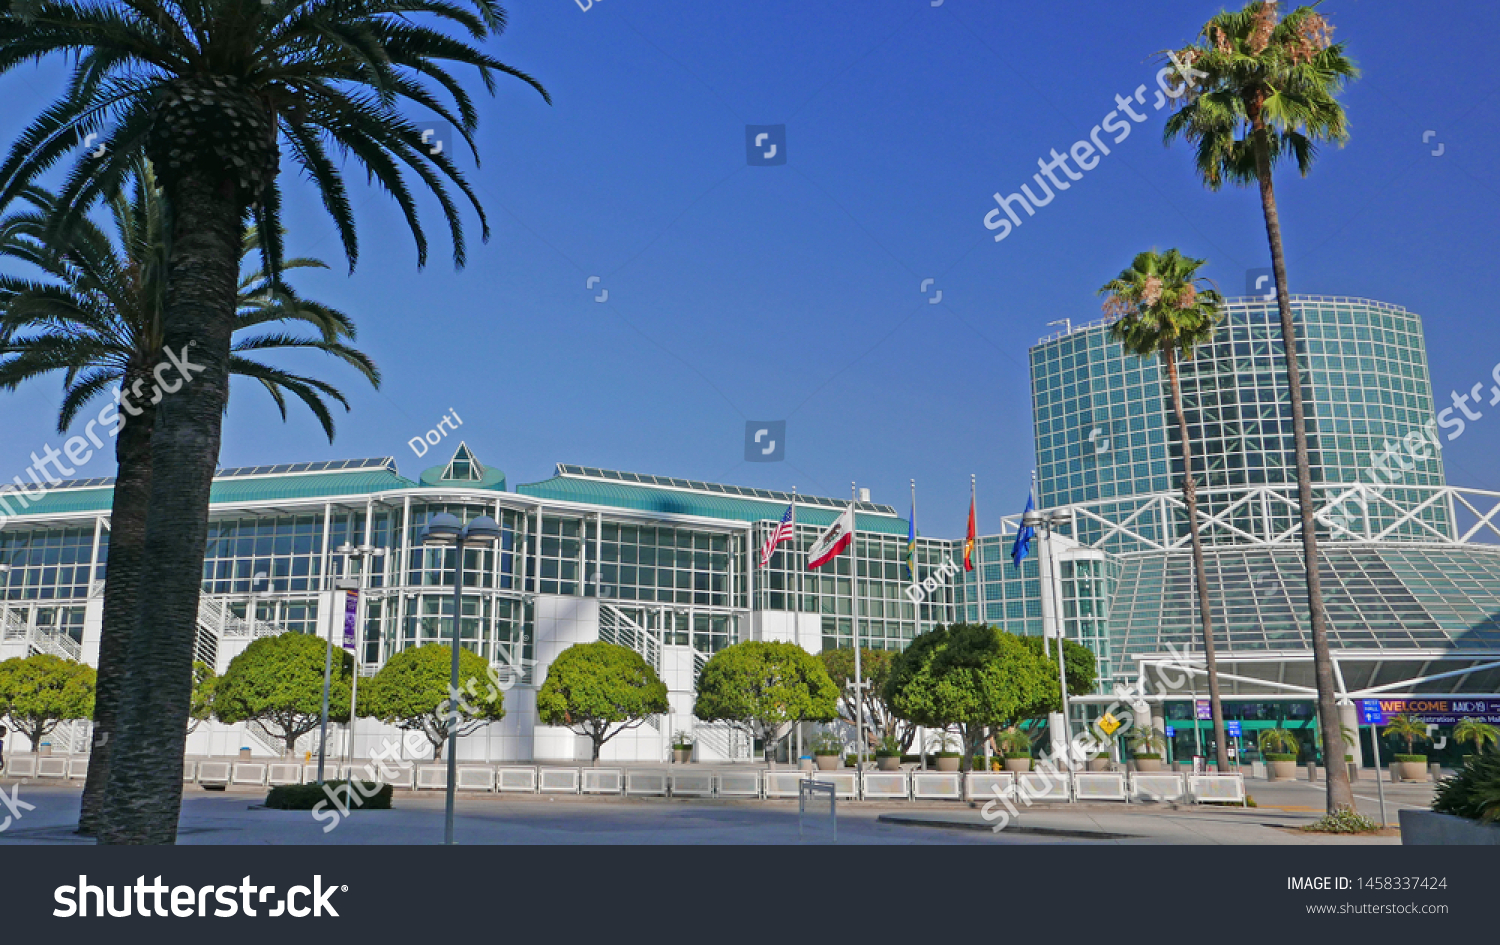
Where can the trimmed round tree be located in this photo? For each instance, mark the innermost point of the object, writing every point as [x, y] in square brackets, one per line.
[39, 692]
[278, 682]
[1080, 666]
[973, 676]
[762, 687]
[411, 693]
[599, 690]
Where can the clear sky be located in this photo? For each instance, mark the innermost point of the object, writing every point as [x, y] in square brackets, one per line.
[794, 292]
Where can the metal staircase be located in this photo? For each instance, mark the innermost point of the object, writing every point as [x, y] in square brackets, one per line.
[216, 621]
[616, 626]
[724, 740]
[40, 639]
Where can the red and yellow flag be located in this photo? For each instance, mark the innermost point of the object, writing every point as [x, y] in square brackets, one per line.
[969, 540]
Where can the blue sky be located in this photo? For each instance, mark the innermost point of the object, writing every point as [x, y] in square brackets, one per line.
[793, 292]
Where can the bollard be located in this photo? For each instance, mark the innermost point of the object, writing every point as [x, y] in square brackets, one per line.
[1312, 772]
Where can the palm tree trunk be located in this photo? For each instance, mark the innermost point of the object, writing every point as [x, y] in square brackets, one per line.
[1200, 571]
[1340, 795]
[127, 538]
[144, 793]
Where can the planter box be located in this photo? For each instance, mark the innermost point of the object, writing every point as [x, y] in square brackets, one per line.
[888, 762]
[517, 779]
[682, 756]
[1099, 764]
[1412, 770]
[829, 762]
[948, 764]
[738, 784]
[1147, 765]
[1283, 770]
[602, 781]
[1429, 828]
[696, 784]
[1017, 764]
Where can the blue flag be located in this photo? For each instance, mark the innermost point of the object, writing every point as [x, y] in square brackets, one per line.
[1022, 547]
[911, 544]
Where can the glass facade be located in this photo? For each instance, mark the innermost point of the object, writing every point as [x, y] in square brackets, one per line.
[1104, 430]
[1396, 574]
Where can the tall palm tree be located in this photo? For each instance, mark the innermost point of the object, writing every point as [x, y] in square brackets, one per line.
[1267, 89]
[96, 317]
[1164, 309]
[210, 90]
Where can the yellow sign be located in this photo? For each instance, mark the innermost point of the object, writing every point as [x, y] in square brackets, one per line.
[1108, 723]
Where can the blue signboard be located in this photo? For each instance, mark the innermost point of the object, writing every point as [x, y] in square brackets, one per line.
[1232, 728]
[1205, 711]
[1171, 732]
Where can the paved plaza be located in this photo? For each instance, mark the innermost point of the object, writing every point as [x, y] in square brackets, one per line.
[235, 817]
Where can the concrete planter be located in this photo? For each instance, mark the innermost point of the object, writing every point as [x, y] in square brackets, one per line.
[829, 762]
[1411, 770]
[1282, 770]
[948, 764]
[682, 756]
[1147, 765]
[1018, 764]
[887, 762]
[1429, 828]
[1099, 764]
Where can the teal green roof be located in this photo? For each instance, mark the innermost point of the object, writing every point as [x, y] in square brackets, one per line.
[227, 491]
[679, 502]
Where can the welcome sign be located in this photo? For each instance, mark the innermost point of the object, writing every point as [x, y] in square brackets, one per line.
[1437, 710]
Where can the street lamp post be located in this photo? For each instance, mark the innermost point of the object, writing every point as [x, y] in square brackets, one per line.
[1046, 522]
[358, 585]
[445, 530]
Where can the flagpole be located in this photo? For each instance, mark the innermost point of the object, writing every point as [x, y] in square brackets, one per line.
[913, 568]
[796, 614]
[859, 679]
[974, 509]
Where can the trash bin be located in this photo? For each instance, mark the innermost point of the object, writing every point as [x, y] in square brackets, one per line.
[245, 753]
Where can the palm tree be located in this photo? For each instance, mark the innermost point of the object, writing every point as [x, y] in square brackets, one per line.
[210, 90]
[1274, 741]
[1164, 309]
[96, 316]
[1476, 733]
[1266, 89]
[1407, 727]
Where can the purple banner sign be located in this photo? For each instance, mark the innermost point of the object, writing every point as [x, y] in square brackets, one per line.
[351, 608]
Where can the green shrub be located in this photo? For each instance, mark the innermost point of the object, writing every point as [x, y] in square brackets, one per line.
[307, 796]
[950, 754]
[1018, 755]
[1280, 756]
[1474, 792]
[1412, 759]
[828, 744]
[1343, 821]
[1144, 756]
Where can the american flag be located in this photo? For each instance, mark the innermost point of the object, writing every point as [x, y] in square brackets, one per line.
[783, 532]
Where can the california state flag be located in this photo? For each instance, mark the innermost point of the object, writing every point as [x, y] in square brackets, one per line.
[833, 540]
